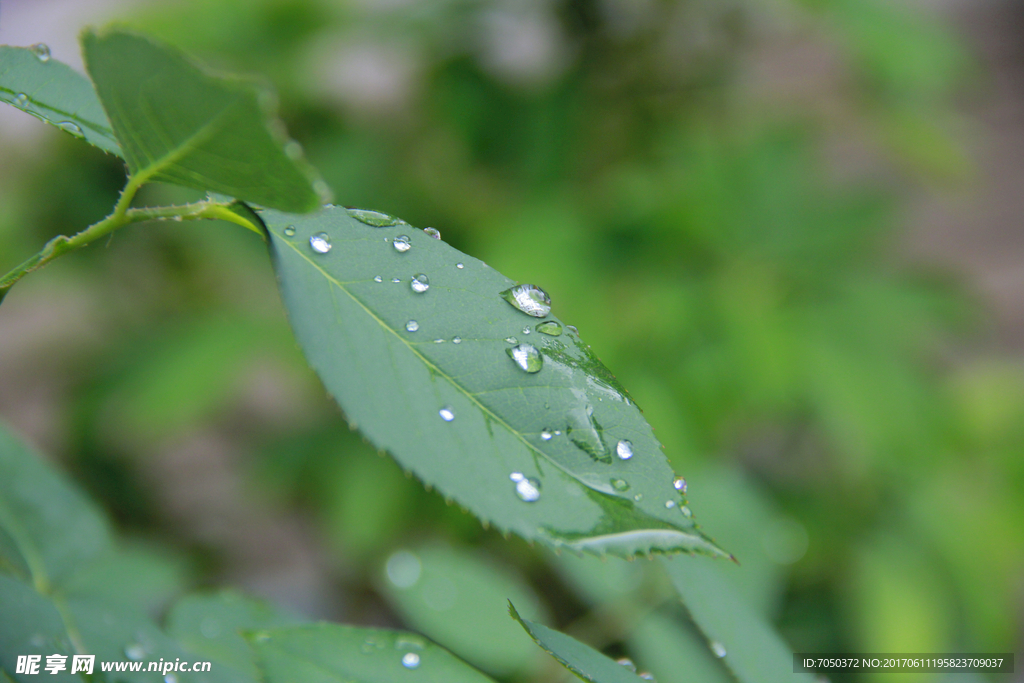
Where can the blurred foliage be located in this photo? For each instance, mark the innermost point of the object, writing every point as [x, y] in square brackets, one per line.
[741, 286]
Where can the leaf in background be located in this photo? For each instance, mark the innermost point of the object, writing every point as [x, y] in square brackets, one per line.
[31, 625]
[581, 659]
[331, 653]
[55, 93]
[459, 600]
[737, 634]
[673, 653]
[138, 577]
[425, 369]
[179, 124]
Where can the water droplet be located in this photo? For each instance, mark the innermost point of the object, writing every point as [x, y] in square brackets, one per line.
[546, 435]
[289, 231]
[551, 327]
[584, 431]
[403, 569]
[686, 511]
[439, 341]
[620, 484]
[511, 340]
[321, 242]
[456, 340]
[410, 660]
[680, 484]
[293, 150]
[718, 649]
[638, 497]
[330, 206]
[420, 283]
[459, 266]
[42, 51]
[526, 330]
[401, 244]
[412, 326]
[447, 414]
[669, 504]
[378, 278]
[527, 357]
[432, 232]
[170, 678]
[646, 675]
[409, 643]
[374, 219]
[527, 488]
[134, 652]
[368, 646]
[627, 662]
[396, 279]
[530, 299]
[71, 127]
[21, 100]
[573, 329]
[624, 449]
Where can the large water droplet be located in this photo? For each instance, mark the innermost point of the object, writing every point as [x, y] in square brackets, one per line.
[552, 327]
[71, 127]
[456, 340]
[374, 219]
[447, 414]
[718, 649]
[546, 435]
[403, 569]
[527, 488]
[624, 449]
[401, 244]
[42, 51]
[530, 299]
[410, 660]
[527, 357]
[289, 231]
[432, 232]
[412, 326]
[321, 242]
[680, 484]
[620, 484]
[419, 283]
[21, 100]
[134, 652]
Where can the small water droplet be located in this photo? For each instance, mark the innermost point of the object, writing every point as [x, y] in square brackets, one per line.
[396, 279]
[403, 569]
[321, 242]
[412, 326]
[526, 330]
[42, 51]
[646, 675]
[410, 660]
[330, 206]
[627, 662]
[669, 504]
[409, 643]
[530, 299]
[134, 652]
[456, 340]
[419, 283]
[289, 231]
[527, 488]
[368, 646]
[680, 484]
[718, 649]
[432, 232]
[527, 357]
[170, 678]
[447, 414]
[374, 219]
[620, 484]
[511, 340]
[686, 511]
[546, 435]
[439, 341]
[401, 244]
[551, 327]
[459, 266]
[573, 329]
[261, 636]
[624, 449]
[21, 100]
[378, 278]
[71, 127]
[293, 150]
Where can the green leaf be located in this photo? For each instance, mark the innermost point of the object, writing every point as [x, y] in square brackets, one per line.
[581, 659]
[330, 653]
[31, 625]
[673, 653]
[179, 124]
[458, 599]
[737, 634]
[55, 93]
[531, 453]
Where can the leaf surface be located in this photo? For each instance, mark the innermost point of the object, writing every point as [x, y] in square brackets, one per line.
[55, 93]
[428, 377]
[179, 124]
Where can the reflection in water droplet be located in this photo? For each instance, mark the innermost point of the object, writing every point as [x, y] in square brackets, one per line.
[527, 488]
[686, 511]
[620, 484]
[511, 340]
[419, 283]
[584, 431]
[21, 100]
[412, 326]
[572, 328]
[624, 449]
[42, 51]
[669, 504]
[378, 278]
[289, 231]
[374, 219]
[527, 357]
[401, 244]
[321, 242]
[680, 484]
[446, 414]
[627, 662]
[432, 232]
[530, 299]
[718, 649]
[551, 327]
[134, 652]
[546, 435]
[410, 660]
[459, 266]
[456, 340]
[403, 568]
[71, 127]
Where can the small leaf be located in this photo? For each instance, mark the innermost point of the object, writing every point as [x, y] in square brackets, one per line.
[55, 93]
[330, 653]
[179, 124]
[581, 659]
[560, 455]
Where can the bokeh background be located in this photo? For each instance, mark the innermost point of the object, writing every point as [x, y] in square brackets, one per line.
[791, 227]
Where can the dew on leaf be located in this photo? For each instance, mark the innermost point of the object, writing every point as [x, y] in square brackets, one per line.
[527, 488]
[527, 357]
[584, 431]
[21, 100]
[71, 127]
[419, 283]
[432, 232]
[573, 329]
[456, 340]
[401, 244]
[526, 330]
[686, 511]
[620, 484]
[41, 51]
[717, 648]
[669, 504]
[626, 662]
[378, 278]
[447, 414]
[530, 299]
[412, 326]
[546, 435]
[459, 266]
[396, 279]
[679, 484]
[624, 449]
[550, 327]
[410, 660]
[375, 219]
[321, 242]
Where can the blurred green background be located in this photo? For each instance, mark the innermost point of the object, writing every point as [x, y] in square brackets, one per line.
[729, 239]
